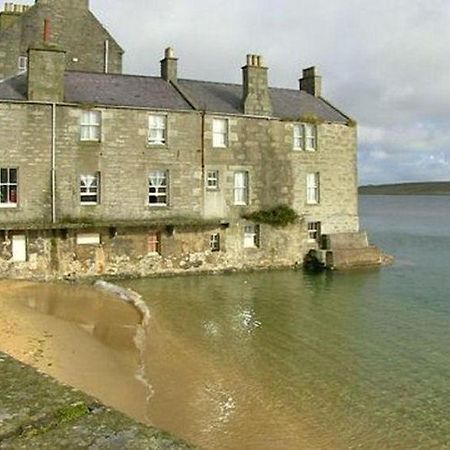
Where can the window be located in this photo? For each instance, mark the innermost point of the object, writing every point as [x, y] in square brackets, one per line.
[22, 64]
[157, 130]
[314, 231]
[241, 188]
[220, 132]
[298, 137]
[214, 242]
[153, 242]
[310, 138]
[157, 188]
[8, 188]
[88, 239]
[305, 137]
[251, 236]
[89, 189]
[212, 180]
[91, 126]
[312, 188]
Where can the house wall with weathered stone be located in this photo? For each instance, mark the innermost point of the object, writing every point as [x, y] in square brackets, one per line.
[73, 28]
[125, 252]
[125, 159]
[25, 144]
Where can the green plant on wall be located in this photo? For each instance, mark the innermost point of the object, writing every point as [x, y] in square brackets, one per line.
[279, 216]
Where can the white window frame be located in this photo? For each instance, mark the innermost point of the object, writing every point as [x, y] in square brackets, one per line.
[298, 135]
[22, 64]
[241, 181]
[160, 188]
[157, 129]
[313, 188]
[310, 133]
[214, 242]
[314, 231]
[10, 187]
[91, 126]
[89, 187]
[252, 236]
[212, 180]
[220, 132]
[304, 137]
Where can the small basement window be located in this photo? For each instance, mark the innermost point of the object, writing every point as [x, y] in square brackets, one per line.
[88, 239]
[251, 236]
[214, 242]
[314, 231]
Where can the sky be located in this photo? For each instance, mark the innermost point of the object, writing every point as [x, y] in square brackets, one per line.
[385, 63]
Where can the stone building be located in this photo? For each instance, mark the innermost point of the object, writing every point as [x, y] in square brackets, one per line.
[110, 174]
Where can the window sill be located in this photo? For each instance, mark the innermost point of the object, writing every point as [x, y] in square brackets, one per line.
[220, 147]
[90, 143]
[157, 145]
[313, 204]
[9, 206]
[89, 204]
[158, 205]
[241, 204]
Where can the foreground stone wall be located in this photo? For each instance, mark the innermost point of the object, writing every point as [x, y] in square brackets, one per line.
[38, 412]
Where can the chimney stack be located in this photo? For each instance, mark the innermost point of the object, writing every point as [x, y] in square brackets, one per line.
[169, 66]
[46, 67]
[311, 82]
[256, 98]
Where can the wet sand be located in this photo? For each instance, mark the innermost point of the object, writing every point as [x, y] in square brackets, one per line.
[57, 337]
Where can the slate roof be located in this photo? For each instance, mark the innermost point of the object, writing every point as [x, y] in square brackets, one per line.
[154, 92]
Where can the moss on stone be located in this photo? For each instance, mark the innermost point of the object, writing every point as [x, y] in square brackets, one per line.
[279, 216]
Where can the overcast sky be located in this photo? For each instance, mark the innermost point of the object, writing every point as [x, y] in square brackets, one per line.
[386, 63]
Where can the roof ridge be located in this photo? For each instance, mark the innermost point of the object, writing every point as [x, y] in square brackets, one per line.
[128, 75]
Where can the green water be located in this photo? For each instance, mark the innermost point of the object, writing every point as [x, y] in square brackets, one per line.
[290, 360]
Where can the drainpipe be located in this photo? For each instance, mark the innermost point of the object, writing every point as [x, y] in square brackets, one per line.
[53, 170]
[203, 161]
[106, 55]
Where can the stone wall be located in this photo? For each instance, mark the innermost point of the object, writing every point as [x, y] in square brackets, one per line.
[70, 25]
[125, 252]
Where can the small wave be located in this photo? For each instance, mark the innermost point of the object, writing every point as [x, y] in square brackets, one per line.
[140, 337]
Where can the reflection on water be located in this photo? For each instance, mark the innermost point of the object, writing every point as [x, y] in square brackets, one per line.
[112, 322]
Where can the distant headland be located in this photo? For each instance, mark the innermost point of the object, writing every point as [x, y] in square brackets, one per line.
[428, 188]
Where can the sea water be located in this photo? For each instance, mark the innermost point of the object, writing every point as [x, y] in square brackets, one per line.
[288, 360]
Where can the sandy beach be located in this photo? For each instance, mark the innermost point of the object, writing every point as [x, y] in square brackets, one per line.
[63, 331]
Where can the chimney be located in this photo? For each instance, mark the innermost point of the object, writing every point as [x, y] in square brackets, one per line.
[46, 66]
[311, 82]
[256, 99]
[169, 66]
